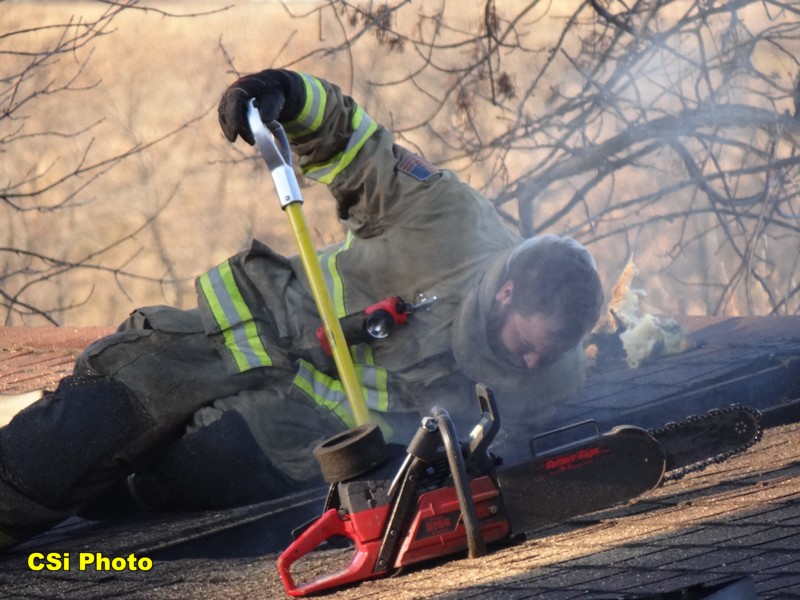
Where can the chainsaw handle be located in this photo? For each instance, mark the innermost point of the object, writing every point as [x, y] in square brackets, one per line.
[330, 524]
[483, 434]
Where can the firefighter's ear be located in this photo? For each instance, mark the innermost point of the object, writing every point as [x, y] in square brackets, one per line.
[505, 292]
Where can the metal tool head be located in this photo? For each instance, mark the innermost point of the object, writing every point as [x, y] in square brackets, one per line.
[274, 147]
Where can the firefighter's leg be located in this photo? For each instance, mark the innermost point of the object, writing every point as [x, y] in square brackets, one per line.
[248, 448]
[134, 391]
[171, 367]
[62, 450]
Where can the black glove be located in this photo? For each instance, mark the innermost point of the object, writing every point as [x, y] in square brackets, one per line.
[279, 96]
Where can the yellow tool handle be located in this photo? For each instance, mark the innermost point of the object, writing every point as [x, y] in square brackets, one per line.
[275, 149]
[333, 328]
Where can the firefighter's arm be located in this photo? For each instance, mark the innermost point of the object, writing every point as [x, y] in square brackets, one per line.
[325, 127]
[375, 182]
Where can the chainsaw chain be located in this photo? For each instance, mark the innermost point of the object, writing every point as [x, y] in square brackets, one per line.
[682, 472]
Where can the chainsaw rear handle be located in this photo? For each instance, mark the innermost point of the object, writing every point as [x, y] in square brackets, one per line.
[362, 529]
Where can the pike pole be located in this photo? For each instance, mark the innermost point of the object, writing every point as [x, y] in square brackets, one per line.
[274, 146]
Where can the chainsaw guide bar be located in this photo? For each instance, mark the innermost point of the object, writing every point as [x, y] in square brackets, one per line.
[698, 442]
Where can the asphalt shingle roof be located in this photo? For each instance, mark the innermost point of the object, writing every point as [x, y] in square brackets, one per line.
[739, 518]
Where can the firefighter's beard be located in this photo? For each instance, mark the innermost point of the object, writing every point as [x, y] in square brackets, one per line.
[498, 315]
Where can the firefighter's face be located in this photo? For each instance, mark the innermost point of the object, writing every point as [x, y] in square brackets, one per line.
[523, 341]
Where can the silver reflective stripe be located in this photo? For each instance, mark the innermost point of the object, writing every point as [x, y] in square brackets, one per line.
[233, 318]
[373, 378]
[324, 391]
[310, 117]
[329, 393]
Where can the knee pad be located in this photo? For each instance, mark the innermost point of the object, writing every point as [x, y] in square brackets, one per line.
[65, 448]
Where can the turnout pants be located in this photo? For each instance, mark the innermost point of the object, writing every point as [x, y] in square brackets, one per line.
[153, 404]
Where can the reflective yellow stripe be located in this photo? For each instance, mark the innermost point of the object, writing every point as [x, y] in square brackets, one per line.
[333, 279]
[363, 128]
[374, 378]
[385, 428]
[329, 393]
[335, 284]
[324, 390]
[310, 117]
[234, 319]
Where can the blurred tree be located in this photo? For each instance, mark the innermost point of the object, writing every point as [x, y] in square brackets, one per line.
[56, 167]
[664, 128]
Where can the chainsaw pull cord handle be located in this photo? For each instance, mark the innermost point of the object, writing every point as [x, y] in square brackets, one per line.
[475, 542]
[276, 152]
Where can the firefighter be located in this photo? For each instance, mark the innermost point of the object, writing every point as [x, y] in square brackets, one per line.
[222, 405]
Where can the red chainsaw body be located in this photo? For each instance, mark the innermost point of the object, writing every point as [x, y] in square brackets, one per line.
[447, 497]
[436, 530]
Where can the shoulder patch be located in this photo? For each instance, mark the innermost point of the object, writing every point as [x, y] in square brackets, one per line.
[417, 167]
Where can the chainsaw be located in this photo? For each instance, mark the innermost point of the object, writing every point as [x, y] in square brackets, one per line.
[440, 496]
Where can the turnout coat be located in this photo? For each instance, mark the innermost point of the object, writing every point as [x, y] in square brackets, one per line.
[414, 231]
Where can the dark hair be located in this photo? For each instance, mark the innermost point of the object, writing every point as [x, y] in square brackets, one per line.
[556, 276]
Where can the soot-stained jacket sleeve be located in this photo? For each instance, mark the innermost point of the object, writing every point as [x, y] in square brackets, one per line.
[375, 182]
